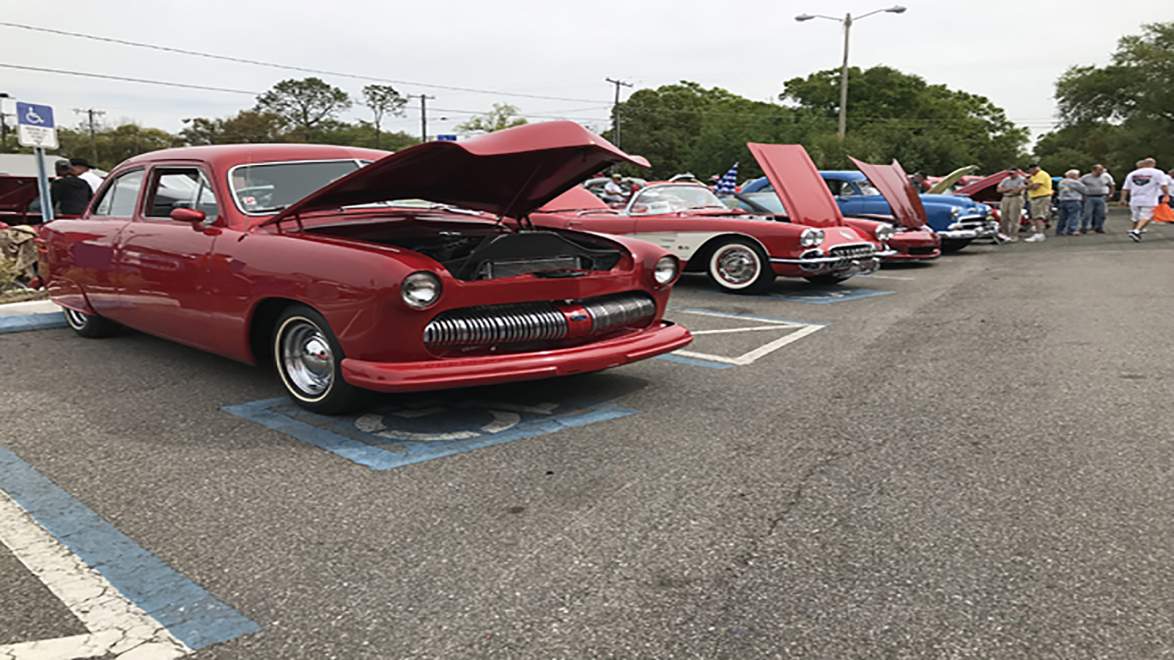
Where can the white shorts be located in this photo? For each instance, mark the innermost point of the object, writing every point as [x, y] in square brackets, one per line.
[1141, 212]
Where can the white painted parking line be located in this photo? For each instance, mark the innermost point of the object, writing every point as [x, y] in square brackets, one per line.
[797, 332]
[116, 626]
[29, 307]
[900, 278]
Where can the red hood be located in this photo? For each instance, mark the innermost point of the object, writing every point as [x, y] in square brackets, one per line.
[17, 192]
[982, 184]
[575, 199]
[798, 184]
[508, 173]
[898, 191]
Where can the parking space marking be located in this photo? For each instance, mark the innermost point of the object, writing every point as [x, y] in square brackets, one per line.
[798, 331]
[127, 598]
[415, 431]
[27, 322]
[829, 296]
[898, 278]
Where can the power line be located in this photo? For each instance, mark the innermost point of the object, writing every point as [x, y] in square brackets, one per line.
[287, 67]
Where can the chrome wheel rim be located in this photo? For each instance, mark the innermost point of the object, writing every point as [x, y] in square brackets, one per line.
[75, 319]
[307, 360]
[735, 266]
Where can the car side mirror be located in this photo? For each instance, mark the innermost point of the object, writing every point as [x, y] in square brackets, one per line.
[190, 216]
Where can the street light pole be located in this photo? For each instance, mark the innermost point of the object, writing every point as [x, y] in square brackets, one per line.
[846, 22]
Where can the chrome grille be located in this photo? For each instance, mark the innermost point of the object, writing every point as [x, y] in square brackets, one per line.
[613, 312]
[853, 251]
[496, 324]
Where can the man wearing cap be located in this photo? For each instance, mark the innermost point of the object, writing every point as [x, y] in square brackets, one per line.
[614, 192]
[70, 194]
[82, 169]
[1099, 186]
[1039, 200]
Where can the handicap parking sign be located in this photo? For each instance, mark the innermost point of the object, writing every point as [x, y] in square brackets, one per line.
[35, 126]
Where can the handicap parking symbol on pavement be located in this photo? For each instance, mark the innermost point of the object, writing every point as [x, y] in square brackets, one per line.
[830, 295]
[416, 428]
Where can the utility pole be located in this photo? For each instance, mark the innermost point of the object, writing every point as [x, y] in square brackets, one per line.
[615, 108]
[90, 113]
[424, 98]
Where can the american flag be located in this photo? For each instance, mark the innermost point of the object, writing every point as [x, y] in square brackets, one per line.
[729, 181]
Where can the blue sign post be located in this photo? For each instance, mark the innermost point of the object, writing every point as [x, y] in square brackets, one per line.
[36, 129]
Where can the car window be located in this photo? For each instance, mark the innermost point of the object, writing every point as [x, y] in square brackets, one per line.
[120, 196]
[671, 199]
[269, 187]
[181, 188]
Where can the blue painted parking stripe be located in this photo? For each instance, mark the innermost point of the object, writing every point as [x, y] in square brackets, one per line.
[693, 362]
[27, 322]
[190, 614]
[830, 297]
[268, 413]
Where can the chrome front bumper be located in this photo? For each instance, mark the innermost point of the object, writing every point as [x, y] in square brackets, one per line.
[969, 229]
[816, 261]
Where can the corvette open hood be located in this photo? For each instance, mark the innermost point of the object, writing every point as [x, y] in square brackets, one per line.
[508, 173]
[898, 191]
[17, 192]
[577, 198]
[798, 184]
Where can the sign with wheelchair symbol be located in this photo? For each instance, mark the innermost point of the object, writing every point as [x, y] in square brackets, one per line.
[35, 127]
[417, 428]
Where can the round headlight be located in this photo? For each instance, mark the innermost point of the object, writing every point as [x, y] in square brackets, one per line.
[955, 212]
[811, 238]
[420, 290]
[884, 233]
[666, 270]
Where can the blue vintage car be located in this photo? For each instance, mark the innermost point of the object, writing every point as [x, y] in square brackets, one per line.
[957, 220]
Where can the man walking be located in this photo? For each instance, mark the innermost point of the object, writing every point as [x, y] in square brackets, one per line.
[83, 170]
[1071, 198]
[70, 194]
[1011, 208]
[1143, 189]
[1039, 201]
[1098, 186]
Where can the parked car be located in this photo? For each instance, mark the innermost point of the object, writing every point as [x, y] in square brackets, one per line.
[19, 201]
[912, 239]
[741, 253]
[957, 220]
[398, 275]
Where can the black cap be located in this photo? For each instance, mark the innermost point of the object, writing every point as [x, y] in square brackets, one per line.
[1031, 165]
[61, 166]
[80, 162]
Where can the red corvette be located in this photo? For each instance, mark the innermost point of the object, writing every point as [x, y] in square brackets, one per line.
[397, 275]
[741, 253]
[913, 240]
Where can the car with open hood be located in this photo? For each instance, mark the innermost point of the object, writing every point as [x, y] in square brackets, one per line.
[354, 270]
[958, 221]
[739, 251]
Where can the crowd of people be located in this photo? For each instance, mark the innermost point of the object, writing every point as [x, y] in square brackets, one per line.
[74, 186]
[1081, 200]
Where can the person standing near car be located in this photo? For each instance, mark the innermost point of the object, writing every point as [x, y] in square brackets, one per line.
[1098, 189]
[1039, 201]
[1071, 198]
[1011, 208]
[83, 170]
[1143, 189]
[70, 194]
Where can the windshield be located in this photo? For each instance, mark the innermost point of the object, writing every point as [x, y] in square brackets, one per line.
[860, 188]
[269, 187]
[670, 199]
[768, 200]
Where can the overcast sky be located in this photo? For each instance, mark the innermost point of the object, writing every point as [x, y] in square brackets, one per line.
[1011, 52]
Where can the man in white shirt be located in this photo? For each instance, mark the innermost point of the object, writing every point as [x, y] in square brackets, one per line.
[613, 192]
[1143, 190]
[83, 170]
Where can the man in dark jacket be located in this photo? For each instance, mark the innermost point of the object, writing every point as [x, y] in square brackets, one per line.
[70, 194]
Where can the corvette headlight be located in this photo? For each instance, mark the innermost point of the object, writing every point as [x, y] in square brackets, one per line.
[420, 290]
[811, 238]
[884, 233]
[666, 270]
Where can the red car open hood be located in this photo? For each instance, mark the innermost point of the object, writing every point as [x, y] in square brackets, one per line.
[898, 191]
[575, 199]
[509, 173]
[982, 184]
[798, 184]
[17, 192]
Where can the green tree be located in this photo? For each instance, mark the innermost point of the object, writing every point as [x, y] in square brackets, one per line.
[500, 116]
[362, 134]
[303, 105]
[115, 144]
[382, 100]
[245, 126]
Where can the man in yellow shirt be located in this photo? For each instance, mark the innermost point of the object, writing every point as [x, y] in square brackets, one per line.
[1039, 199]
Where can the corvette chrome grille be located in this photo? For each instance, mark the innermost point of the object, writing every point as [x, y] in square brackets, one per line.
[492, 325]
[618, 311]
[854, 251]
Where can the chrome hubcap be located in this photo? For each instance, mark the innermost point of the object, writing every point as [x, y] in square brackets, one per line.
[306, 358]
[736, 265]
[75, 319]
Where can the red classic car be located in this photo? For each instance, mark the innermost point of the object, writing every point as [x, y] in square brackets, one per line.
[741, 253]
[398, 275]
[913, 240]
[18, 200]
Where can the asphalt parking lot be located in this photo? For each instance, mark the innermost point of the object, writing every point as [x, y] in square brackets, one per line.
[966, 459]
